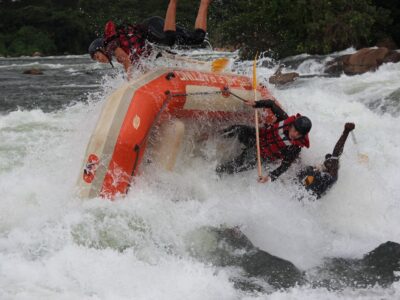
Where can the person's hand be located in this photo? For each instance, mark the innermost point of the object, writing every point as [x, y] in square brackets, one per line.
[349, 126]
[251, 103]
[263, 179]
[129, 73]
[204, 136]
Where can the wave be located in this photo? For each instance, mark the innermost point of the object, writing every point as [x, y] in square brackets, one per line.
[45, 229]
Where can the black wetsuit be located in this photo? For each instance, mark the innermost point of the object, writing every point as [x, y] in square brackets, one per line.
[315, 181]
[318, 182]
[154, 28]
[247, 136]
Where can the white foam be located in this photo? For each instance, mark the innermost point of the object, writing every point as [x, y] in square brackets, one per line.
[54, 246]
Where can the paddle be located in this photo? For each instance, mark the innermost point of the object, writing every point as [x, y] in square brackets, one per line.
[260, 177]
[218, 65]
[362, 157]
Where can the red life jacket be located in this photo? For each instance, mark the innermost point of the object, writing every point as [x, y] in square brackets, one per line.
[131, 38]
[275, 138]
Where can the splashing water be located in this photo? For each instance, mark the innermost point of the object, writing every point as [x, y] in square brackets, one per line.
[55, 246]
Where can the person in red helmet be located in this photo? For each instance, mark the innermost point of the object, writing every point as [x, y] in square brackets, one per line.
[281, 141]
[128, 43]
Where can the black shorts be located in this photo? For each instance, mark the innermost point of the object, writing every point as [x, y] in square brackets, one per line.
[245, 134]
[182, 36]
[247, 160]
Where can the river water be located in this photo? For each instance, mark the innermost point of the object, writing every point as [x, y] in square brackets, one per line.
[56, 246]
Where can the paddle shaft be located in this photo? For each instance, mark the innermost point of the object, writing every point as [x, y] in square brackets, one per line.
[256, 118]
[184, 59]
[362, 157]
[218, 64]
[258, 145]
[353, 137]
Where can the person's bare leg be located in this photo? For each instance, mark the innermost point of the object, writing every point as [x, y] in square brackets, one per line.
[170, 17]
[201, 20]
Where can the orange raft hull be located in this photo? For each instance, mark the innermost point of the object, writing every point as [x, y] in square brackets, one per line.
[119, 140]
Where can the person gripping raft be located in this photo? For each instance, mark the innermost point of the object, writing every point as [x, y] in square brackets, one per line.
[128, 43]
[318, 179]
[282, 140]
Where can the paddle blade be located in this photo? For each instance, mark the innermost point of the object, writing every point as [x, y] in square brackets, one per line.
[219, 64]
[363, 158]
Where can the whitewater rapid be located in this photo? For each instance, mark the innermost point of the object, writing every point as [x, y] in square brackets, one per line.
[56, 246]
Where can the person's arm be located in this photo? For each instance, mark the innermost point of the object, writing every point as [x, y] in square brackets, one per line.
[290, 156]
[338, 150]
[271, 104]
[123, 58]
[332, 163]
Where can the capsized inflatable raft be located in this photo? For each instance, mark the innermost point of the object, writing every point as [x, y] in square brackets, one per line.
[119, 140]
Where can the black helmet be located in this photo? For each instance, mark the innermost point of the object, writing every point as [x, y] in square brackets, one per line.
[96, 45]
[303, 125]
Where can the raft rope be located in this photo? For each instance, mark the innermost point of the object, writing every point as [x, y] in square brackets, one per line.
[226, 90]
[197, 94]
[240, 98]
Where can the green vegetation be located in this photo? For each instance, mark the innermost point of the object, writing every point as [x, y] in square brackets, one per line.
[29, 40]
[286, 27]
[290, 27]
